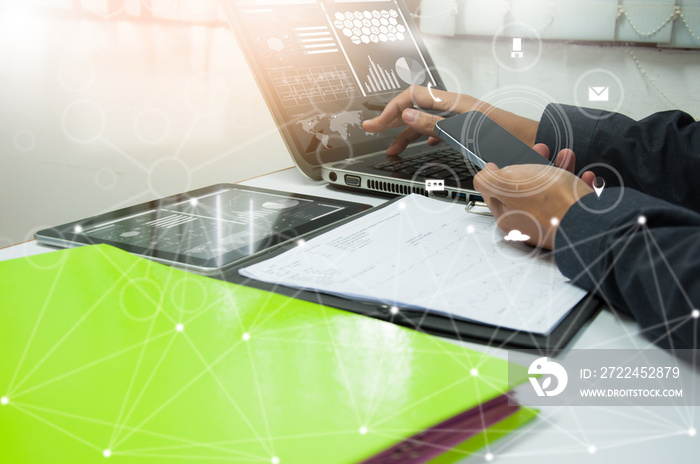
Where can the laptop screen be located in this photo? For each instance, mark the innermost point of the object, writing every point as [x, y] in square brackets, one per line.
[324, 66]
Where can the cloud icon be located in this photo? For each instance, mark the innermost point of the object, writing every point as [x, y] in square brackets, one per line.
[516, 236]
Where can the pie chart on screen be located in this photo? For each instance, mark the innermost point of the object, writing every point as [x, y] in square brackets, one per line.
[410, 71]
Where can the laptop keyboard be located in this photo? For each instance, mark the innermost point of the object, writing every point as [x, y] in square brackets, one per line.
[443, 163]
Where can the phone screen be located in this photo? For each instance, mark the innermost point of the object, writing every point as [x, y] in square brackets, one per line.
[483, 141]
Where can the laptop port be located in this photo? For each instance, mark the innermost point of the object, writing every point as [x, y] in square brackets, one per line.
[477, 198]
[440, 193]
[353, 181]
[459, 196]
[333, 176]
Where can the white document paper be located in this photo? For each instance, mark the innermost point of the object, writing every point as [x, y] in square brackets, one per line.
[426, 254]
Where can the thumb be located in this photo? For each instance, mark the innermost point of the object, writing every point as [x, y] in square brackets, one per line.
[421, 122]
[489, 181]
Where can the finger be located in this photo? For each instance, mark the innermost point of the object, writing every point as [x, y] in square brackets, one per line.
[414, 96]
[589, 178]
[496, 207]
[511, 181]
[389, 118]
[432, 141]
[507, 224]
[402, 140]
[391, 115]
[376, 125]
[542, 149]
[421, 122]
[485, 179]
[566, 160]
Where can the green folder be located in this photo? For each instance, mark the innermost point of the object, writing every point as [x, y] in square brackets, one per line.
[104, 355]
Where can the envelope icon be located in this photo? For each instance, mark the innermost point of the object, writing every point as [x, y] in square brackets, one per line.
[598, 94]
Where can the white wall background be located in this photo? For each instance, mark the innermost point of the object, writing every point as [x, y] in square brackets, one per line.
[649, 79]
[101, 114]
[669, 23]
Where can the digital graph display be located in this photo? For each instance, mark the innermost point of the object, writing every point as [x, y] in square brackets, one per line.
[330, 66]
[314, 85]
[379, 46]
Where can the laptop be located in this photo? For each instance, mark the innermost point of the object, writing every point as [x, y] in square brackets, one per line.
[323, 67]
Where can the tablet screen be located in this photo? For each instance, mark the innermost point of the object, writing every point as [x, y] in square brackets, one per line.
[207, 228]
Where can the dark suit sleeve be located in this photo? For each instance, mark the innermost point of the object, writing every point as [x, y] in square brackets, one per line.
[658, 155]
[648, 269]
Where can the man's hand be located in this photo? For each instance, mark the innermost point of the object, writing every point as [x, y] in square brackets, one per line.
[404, 109]
[401, 110]
[532, 198]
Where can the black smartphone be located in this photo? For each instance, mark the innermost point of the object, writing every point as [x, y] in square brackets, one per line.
[482, 141]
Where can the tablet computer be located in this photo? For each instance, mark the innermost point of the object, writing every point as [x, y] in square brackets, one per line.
[208, 229]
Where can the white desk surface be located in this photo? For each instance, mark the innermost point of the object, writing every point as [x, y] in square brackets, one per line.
[619, 434]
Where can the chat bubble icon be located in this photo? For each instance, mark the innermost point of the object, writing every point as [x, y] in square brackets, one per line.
[435, 185]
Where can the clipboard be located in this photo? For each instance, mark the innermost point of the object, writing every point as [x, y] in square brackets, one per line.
[426, 321]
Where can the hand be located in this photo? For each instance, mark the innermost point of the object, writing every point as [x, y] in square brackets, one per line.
[401, 111]
[566, 159]
[533, 198]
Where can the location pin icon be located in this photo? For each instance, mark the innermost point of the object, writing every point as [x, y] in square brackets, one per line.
[598, 186]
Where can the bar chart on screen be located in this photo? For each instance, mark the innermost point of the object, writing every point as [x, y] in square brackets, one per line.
[406, 71]
[380, 79]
